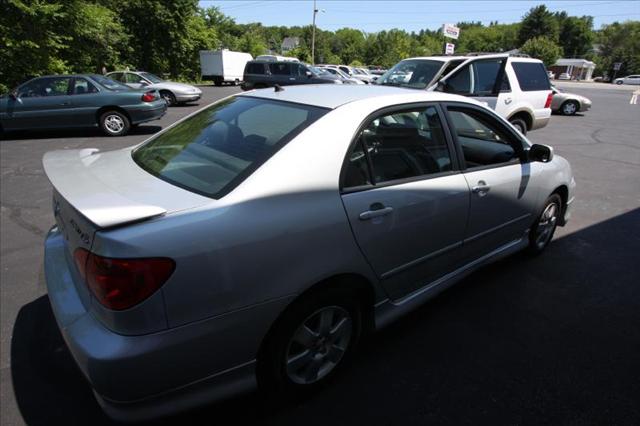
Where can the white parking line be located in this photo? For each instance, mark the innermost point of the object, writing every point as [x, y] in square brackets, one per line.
[634, 97]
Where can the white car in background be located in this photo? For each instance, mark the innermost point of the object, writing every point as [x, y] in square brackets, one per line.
[363, 75]
[172, 92]
[332, 69]
[516, 87]
[630, 79]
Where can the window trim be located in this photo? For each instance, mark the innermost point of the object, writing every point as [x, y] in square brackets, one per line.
[48, 77]
[90, 81]
[495, 120]
[455, 162]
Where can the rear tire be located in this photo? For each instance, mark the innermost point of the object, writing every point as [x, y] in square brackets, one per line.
[569, 108]
[545, 226]
[519, 124]
[619, 82]
[311, 341]
[114, 123]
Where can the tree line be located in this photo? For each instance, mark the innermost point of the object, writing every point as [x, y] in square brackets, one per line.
[39, 37]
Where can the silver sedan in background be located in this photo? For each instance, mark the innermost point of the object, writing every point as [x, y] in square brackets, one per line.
[172, 92]
[256, 240]
[567, 103]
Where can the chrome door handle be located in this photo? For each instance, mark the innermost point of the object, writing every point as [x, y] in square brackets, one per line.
[481, 188]
[370, 214]
[292, 78]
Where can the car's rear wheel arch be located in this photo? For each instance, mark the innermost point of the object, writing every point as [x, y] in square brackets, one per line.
[524, 116]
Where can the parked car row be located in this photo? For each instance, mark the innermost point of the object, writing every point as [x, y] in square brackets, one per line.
[115, 102]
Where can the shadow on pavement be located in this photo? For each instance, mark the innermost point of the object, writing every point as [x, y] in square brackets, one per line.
[72, 133]
[547, 340]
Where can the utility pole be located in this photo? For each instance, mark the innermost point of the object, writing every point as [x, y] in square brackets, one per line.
[313, 35]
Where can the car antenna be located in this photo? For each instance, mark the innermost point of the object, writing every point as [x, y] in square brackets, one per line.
[278, 88]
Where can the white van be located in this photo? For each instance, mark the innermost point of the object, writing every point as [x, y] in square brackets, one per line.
[223, 66]
[517, 88]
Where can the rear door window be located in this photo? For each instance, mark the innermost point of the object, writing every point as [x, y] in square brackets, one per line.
[531, 76]
[82, 86]
[280, 68]
[478, 78]
[214, 150]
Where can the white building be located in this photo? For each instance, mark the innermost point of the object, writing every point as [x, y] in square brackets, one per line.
[578, 69]
[289, 43]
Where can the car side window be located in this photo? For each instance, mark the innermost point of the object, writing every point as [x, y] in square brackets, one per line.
[131, 78]
[400, 145]
[116, 76]
[280, 68]
[51, 86]
[256, 68]
[477, 78]
[482, 140]
[82, 86]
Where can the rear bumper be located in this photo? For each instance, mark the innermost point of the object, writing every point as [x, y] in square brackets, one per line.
[541, 118]
[138, 377]
[152, 111]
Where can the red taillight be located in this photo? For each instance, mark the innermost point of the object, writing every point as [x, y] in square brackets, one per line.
[549, 99]
[119, 284]
[150, 96]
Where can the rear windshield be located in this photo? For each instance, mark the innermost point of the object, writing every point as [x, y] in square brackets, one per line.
[531, 76]
[211, 152]
[413, 73]
[109, 84]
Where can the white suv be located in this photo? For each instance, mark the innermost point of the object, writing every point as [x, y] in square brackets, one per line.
[517, 88]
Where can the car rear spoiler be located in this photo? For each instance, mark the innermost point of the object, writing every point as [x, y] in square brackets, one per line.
[71, 176]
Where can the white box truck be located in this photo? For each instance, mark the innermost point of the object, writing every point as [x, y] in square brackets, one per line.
[223, 66]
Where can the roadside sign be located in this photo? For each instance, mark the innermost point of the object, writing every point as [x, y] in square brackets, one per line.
[617, 66]
[451, 31]
[449, 48]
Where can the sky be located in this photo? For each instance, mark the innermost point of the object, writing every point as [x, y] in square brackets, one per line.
[372, 16]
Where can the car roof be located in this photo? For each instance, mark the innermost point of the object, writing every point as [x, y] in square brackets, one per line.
[333, 96]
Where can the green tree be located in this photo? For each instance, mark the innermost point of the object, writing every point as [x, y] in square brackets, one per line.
[348, 44]
[544, 49]
[619, 42]
[576, 34]
[538, 22]
[30, 41]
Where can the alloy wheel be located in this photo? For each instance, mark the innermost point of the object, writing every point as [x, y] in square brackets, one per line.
[546, 225]
[318, 345]
[569, 108]
[114, 123]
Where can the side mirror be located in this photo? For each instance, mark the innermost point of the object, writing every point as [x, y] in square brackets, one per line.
[441, 86]
[308, 74]
[541, 153]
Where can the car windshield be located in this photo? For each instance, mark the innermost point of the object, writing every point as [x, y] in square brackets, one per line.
[151, 77]
[213, 151]
[413, 73]
[109, 84]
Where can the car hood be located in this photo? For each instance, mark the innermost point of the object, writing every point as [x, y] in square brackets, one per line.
[175, 87]
[110, 189]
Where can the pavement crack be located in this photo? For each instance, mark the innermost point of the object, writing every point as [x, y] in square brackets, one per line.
[595, 136]
[15, 215]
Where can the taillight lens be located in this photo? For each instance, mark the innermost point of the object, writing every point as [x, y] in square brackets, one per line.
[150, 96]
[549, 99]
[120, 284]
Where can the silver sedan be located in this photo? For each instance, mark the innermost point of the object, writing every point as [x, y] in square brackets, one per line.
[567, 103]
[172, 92]
[257, 240]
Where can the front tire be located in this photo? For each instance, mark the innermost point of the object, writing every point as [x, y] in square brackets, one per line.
[545, 226]
[168, 97]
[114, 123]
[619, 82]
[569, 108]
[310, 342]
[519, 124]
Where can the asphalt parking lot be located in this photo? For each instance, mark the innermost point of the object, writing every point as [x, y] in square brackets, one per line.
[547, 340]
